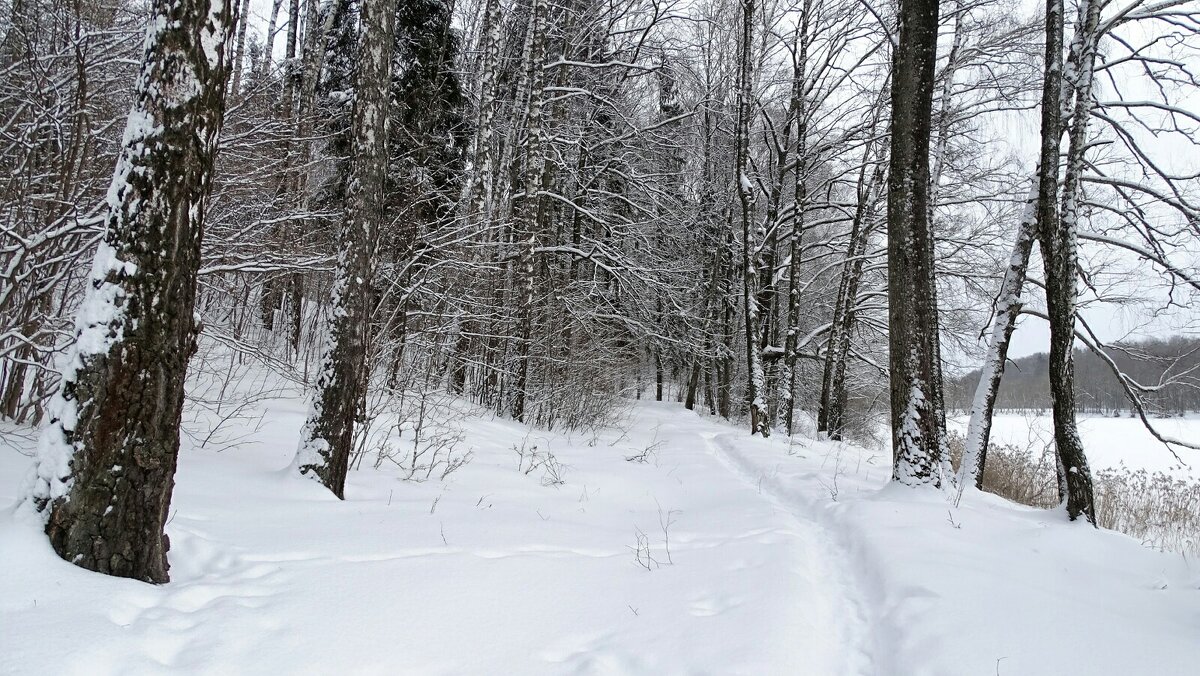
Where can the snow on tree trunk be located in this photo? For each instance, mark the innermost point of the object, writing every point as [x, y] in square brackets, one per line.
[477, 188]
[1008, 307]
[328, 433]
[756, 385]
[1039, 204]
[1061, 260]
[528, 216]
[917, 413]
[788, 372]
[106, 460]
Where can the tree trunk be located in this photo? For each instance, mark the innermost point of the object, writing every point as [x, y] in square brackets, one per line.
[1056, 95]
[693, 384]
[1008, 307]
[328, 434]
[832, 403]
[243, 14]
[269, 43]
[756, 385]
[787, 375]
[1060, 256]
[918, 416]
[529, 215]
[106, 461]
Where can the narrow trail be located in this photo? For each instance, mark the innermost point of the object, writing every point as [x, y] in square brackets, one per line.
[828, 566]
[826, 589]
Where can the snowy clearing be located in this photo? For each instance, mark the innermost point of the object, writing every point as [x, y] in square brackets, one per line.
[1110, 442]
[763, 558]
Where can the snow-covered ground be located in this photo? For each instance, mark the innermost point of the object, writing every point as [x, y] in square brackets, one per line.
[718, 554]
[1109, 442]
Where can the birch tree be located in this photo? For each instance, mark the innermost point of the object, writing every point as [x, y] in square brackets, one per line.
[106, 460]
[756, 383]
[328, 433]
[1058, 234]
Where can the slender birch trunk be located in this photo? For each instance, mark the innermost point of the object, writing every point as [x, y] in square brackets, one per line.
[528, 215]
[787, 375]
[756, 386]
[1004, 321]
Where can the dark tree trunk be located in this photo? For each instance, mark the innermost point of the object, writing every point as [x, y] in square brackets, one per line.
[918, 416]
[328, 434]
[728, 325]
[692, 386]
[755, 380]
[107, 460]
[658, 377]
[1059, 245]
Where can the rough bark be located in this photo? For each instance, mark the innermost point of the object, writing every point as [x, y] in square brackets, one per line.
[917, 415]
[327, 437]
[107, 459]
[528, 215]
[1061, 259]
[756, 385]
[1008, 302]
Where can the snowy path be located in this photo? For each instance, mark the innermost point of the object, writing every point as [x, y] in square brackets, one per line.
[761, 557]
[491, 572]
[828, 569]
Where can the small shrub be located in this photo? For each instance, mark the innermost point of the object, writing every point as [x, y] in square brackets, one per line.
[530, 458]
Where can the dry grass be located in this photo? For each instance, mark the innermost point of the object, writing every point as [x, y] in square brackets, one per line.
[1161, 511]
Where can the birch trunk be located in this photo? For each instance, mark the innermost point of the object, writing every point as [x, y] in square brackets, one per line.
[528, 216]
[1061, 259]
[1008, 308]
[755, 386]
[787, 375]
[327, 437]
[106, 461]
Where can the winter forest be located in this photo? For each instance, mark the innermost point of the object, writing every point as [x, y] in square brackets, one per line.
[621, 337]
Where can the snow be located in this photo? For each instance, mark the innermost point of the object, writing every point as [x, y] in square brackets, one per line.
[99, 325]
[1109, 442]
[215, 35]
[744, 183]
[768, 557]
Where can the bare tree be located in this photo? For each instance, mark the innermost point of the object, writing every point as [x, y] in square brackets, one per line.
[756, 383]
[328, 434]
[918, 416]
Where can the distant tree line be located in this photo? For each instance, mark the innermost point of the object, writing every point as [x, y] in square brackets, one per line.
[1173, 365]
